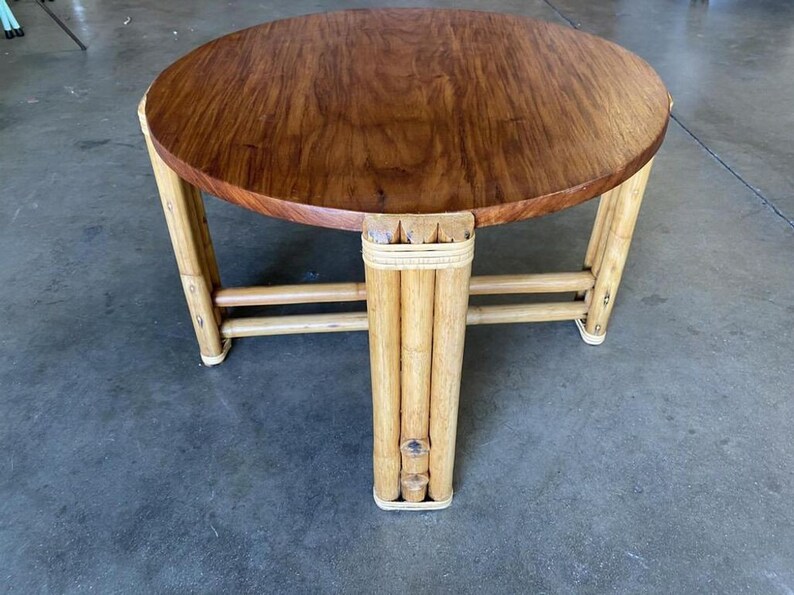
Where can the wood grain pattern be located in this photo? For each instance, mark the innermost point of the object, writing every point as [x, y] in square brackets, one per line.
[324, 118]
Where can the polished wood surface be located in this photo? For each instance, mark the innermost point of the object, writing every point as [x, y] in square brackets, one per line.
[324, 118]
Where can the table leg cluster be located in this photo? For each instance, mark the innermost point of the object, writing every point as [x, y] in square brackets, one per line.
[417, 273]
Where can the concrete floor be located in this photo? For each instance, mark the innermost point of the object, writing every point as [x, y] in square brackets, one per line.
[661, 461]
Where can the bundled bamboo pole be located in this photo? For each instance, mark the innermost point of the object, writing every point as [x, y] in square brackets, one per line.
[383, 312]
[201, 232]
[179, 206]
[430, 258]
[449, 331]
[627, 198]
[417, 300]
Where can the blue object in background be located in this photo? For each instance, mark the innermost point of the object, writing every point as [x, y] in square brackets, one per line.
[10, 24]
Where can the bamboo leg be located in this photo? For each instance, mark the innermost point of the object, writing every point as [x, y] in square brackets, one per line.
[201, 230]
[449, 330]
[418, 290]
[595, 248]
[383, 312]
[179, 200]
[202, 227]
[595, 253]
[612, 259]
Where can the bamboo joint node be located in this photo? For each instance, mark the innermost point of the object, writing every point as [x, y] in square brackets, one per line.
[415, 448]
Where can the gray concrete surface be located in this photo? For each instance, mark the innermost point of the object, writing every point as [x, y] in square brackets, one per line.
[661, 461]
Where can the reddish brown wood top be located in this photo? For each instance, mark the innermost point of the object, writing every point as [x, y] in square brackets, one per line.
[324, 118]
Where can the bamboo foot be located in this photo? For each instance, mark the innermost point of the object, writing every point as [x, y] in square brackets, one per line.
[214, 360]
[589, 338]
[395, 505]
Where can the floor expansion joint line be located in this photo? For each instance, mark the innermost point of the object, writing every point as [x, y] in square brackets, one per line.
[62, 25]
[768, 203]
[562, 15]
[764, 200]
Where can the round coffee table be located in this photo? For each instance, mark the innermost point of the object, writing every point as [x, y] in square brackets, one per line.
[413, 126]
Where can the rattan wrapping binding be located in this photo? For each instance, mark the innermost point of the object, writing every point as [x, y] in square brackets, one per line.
[400, 257]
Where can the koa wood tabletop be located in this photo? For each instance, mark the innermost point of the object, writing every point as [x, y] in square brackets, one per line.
[413, 126]
[325, 118]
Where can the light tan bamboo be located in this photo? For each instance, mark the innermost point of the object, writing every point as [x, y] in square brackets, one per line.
[615, 251]
[417, 293]
[256, 326]
[383, 312]
[536, 283]
[201, 231]
[353, 292]
[449, 331]
[513, 313]
[177, 197]
[595, 247]
[291, 294]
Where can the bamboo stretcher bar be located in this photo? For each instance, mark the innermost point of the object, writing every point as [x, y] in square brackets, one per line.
[354, 292]
[548, 312]
[357, 321]
[291, 294]
[292, 325]
[537, 283]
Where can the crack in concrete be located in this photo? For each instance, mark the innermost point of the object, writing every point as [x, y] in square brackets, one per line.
[768, 203]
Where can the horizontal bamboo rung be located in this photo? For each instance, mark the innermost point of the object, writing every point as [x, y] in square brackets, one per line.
[549, 312]
[354, 292]
[357, 321]
[293, 325]
[290, 294]
[537, 283]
